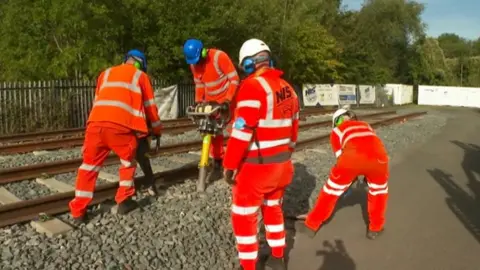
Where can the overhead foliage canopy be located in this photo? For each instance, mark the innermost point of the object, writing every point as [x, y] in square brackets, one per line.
[312, 41]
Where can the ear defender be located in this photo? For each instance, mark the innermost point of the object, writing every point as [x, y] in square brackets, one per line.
[137, 65]
[339, 121]
[204, 53]
[248, 65]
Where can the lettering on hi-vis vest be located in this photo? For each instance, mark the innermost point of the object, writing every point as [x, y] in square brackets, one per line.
[283, 94]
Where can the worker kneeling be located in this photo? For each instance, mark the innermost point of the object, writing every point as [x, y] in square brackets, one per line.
[258, 155]
[359, 152]
[123, 105]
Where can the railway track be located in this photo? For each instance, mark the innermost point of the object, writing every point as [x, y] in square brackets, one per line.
[38, 170]
[66, 138]
[41, 141]
[18, 211]
[78, 132]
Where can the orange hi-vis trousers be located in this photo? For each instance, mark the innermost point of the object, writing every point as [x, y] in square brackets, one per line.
[259, 187]
[350, 165]
[99, 141]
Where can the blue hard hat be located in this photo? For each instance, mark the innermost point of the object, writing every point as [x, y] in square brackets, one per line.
[139, 56]
[192, 50]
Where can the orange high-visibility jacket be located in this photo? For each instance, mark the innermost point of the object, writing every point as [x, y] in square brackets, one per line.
[269, 107]
[358, 135]
[216, 78]
[124, 96]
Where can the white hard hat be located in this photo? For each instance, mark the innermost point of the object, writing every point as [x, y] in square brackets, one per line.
[337, 114]
[251, 47]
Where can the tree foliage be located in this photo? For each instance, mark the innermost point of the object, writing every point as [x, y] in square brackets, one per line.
[312, 41]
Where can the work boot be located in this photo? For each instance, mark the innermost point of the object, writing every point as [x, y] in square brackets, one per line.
[303, 229]
[372, 235]
[276, 263]
[127, 206]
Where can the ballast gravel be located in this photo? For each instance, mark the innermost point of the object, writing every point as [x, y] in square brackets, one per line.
[181, 229]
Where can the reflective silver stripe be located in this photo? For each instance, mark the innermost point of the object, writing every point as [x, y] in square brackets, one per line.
[241, 135]
[126, 183]
[217, 82]
[156, 124]
[90, 168]
[377, 192]
[268, 90]
[246, 240]
[276, 242]
[375, 186]
[272, 202]
[83, 194]
[232, 74]
[338, 153]
[276, 123]
[275, 228]
[223, 89]
[216, 58]
[248, 255]
[133, 86]
[126, 163]
[269, 144]
[119, 104]
[244, 211]
[249, 103]
[199, 85]
[357, 135]
[149, 103]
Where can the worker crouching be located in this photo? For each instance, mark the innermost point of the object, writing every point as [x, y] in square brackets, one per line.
[359, 152]
[216, 79]
[124, 102]
[258, 156]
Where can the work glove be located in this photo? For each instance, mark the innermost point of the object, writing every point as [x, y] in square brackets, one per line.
[228, 176]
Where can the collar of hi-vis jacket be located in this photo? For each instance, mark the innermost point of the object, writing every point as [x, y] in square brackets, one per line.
[266, 72]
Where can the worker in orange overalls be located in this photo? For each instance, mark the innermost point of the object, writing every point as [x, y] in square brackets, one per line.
[123, 105]
[215, 79]
[258, 155]
[359, 152]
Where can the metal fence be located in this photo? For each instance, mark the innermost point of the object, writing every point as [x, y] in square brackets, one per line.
[53, 105]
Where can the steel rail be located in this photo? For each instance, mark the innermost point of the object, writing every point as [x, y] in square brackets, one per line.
[24, 211]
[19, 137]
[15, 174]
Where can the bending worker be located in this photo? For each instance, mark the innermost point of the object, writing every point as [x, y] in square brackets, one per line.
[123, 104]
[359, 152]
[215, 79]
[259, 152]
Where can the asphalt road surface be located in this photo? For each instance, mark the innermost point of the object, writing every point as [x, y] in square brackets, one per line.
[433, 219]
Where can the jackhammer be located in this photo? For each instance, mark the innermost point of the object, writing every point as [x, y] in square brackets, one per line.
[211, 120]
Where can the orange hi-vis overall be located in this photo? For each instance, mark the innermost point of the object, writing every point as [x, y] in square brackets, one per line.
[359, 152]
[216, 79]
[124, 101]
[260, 152]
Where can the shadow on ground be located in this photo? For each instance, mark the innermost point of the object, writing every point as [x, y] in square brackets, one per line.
[465, 205]
[335, 256]
[358, 196]
[296, 202]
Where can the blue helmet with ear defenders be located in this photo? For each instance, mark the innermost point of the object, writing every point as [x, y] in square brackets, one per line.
[193, 50]
[139, 56]
[247, 57]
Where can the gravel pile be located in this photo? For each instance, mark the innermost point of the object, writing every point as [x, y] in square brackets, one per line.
[182, 229]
